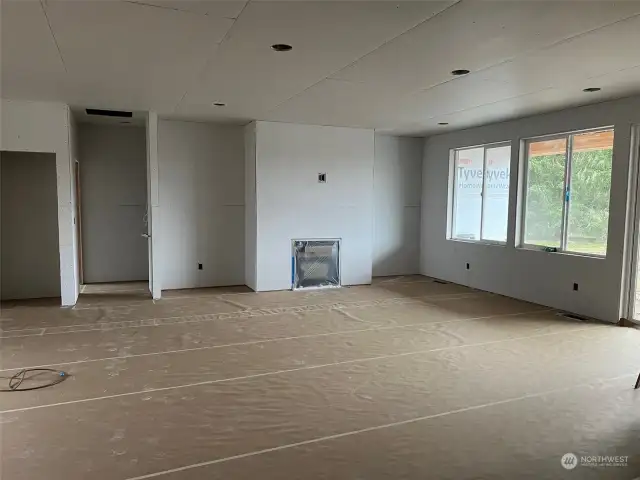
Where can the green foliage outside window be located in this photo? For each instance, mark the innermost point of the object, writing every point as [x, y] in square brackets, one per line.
[589, 205]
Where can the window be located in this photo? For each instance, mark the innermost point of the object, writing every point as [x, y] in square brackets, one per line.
[568, 182]
[481, 193]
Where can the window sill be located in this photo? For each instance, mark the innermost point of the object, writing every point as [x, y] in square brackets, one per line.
[478, 242]
[533, 248]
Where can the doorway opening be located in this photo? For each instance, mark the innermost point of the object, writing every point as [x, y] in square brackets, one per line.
[111, 189]
[30, 253]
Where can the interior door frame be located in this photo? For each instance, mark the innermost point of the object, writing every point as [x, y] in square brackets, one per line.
[153, 205]
[76, 173]
[630, 266]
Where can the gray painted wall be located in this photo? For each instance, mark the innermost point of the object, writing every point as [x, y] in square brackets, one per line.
[113, 196]
[30, 256]
[44, 127]
[397, 175]
[536, 276]
[201, 179]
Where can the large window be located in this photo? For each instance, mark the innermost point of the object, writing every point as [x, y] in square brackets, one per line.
[480, 200]
[568, 182]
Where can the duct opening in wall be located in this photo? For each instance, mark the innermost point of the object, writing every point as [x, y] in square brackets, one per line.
[315, 263]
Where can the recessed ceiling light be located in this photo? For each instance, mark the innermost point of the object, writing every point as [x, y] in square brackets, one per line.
[281, 47]
[592, 89]
[443, 123]
[219, 104]
[462, 71]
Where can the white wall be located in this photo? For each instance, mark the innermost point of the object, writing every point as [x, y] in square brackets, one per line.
[251, 212]
[292, 204]
[397, 175]
[30, 254]
[44, 127]
[545, 278]
[113, 183]
[201, 177]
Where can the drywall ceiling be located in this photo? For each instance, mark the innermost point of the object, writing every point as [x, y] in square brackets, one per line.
[375, 64]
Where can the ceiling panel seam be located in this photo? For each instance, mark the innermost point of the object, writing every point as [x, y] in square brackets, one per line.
[528, 52]
[555, 44]
[364, 55]
[509, 60]
[211, 57]
[488, 104]
[53, 35]
[175, 9]
[613, 72]
[586, 32]
[545, 89]
[311, 124]
[444, 116]
[523, 55]
[495, 102]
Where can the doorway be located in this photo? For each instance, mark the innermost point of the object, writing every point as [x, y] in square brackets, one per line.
[30, 254]
[112, 199]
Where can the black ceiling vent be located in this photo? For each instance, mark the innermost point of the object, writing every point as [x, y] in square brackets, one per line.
[109, 113]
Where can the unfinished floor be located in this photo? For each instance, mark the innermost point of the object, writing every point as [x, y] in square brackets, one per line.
[404, 379]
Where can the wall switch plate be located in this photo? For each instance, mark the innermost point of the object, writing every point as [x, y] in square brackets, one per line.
[322, 178]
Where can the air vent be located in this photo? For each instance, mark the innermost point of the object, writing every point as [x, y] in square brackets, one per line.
[108, 113]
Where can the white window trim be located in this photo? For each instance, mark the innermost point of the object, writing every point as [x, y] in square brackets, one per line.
[451, 210]
[562, 249]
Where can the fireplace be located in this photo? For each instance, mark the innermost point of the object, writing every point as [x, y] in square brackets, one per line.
[315, 263]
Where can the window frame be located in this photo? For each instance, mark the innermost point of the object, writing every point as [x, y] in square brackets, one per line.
[451, 214]
[566, 203]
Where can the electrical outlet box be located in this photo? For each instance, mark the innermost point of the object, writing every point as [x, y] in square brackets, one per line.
[322, 178]
[468, 268]
[199, 266]
[575, 287]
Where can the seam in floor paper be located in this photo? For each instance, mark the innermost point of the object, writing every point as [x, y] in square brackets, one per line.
[438, 296]
[377, 427]
[253, 312]
[245, 313]
[235, 304]
[276, 339]
[221, 296]
[217, 296]
[136, 303]
[399, 279]
[373, 284]
[160, 321]
[279, 372]
[245, 308]
[355, 318]
[126, 291]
